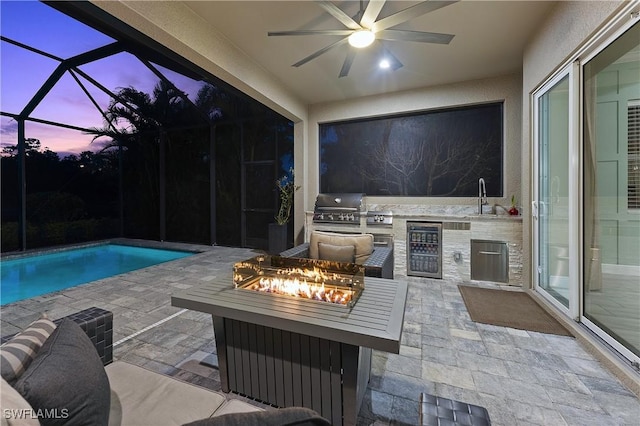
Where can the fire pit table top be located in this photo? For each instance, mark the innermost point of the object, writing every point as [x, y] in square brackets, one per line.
[375, 321]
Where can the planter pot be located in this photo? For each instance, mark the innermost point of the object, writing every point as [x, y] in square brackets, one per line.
[277, 238]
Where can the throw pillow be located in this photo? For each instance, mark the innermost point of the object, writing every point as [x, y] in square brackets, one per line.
[18, 353]
[67, 381]
[336, 253]
[298, 416]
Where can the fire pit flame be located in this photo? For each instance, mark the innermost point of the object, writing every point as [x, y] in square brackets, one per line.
[297, 288]
[334, 282]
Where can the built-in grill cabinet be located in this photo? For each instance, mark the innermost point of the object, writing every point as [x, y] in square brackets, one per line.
[338, 208]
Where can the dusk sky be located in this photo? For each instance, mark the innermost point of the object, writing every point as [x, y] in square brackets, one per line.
[23, 73]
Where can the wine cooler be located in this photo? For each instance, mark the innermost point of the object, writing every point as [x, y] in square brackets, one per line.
[424, 249]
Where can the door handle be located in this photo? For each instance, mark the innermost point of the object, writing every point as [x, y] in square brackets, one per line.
[493, 253]
[534, 209]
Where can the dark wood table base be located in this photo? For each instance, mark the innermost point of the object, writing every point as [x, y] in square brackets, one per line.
[288, 369]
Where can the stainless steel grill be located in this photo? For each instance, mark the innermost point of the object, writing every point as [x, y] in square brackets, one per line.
[338, 208]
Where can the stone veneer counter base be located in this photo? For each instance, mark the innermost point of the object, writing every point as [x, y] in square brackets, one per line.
[459, 228]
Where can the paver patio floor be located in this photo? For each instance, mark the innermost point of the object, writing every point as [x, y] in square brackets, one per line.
[521, 377]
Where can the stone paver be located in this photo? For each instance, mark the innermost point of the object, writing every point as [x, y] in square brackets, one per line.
[522, 378]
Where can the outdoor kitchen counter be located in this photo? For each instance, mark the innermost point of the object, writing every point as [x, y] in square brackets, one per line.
[288, 351]
[374, 322]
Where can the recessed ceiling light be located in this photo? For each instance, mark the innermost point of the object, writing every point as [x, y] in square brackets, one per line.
[384, 64]
[361, 38]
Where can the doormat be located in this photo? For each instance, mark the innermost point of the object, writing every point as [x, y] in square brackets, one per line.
[515, 309]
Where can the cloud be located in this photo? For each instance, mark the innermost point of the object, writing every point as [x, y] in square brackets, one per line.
[9, 128]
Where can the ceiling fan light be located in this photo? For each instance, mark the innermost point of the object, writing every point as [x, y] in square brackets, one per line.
[361, 38]
[384, 64]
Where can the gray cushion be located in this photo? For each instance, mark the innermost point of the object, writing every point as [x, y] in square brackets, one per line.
[18, 353]
[67, 378]
[280, 417]
[336, 253]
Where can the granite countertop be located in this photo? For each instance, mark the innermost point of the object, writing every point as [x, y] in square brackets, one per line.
[456, 217]
[441, 215]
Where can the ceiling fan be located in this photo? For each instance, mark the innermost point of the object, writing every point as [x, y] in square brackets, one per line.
[364, 29]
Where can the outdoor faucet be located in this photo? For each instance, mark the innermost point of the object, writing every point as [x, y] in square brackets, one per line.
[482, 195]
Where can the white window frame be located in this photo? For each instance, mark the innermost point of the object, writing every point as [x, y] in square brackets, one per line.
[572, 72]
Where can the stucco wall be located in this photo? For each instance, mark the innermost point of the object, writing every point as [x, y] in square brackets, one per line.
[507, 88]
[567, 29]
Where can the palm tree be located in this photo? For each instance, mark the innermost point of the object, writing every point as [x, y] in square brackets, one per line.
[135, 122]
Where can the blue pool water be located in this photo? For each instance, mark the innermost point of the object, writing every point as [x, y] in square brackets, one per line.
[31, 276]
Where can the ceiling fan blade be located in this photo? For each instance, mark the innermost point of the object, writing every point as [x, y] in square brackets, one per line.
[319, 52]
[348, 61]
[337, 13]
[371, 13]
[419, 36]
[310, 32]
[409, 13]
[394, 63]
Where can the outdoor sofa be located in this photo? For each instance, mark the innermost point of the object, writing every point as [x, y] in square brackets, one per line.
[62, 372]
[354, 248]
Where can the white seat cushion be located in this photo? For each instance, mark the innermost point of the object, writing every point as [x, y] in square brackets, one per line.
[16, 411]
[140, 396]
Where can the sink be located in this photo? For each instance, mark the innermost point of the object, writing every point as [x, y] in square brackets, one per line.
[487, 209]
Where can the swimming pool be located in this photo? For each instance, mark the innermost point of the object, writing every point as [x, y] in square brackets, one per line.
[39, 274]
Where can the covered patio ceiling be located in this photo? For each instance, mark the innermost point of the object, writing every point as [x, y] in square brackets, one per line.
[489, 40]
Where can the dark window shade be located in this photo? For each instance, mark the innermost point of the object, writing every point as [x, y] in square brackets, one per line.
[433, 153]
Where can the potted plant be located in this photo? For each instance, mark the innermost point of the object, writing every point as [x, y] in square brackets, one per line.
[513, 211]
[287, 188]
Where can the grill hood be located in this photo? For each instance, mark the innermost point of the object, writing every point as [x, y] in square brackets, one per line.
[338, 208]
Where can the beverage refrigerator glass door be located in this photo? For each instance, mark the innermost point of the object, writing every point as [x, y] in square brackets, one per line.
[424, 249]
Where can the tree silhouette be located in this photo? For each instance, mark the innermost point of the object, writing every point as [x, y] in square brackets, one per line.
[244, 132]
[65, 198]
[441, 153]
[32, 147]
[392, 164]
[135, 121]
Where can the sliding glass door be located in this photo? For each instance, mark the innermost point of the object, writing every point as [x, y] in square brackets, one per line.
[611, 263]
[586, 189]
[552, 187]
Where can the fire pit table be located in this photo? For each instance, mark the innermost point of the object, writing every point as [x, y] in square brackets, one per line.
[293, 351]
